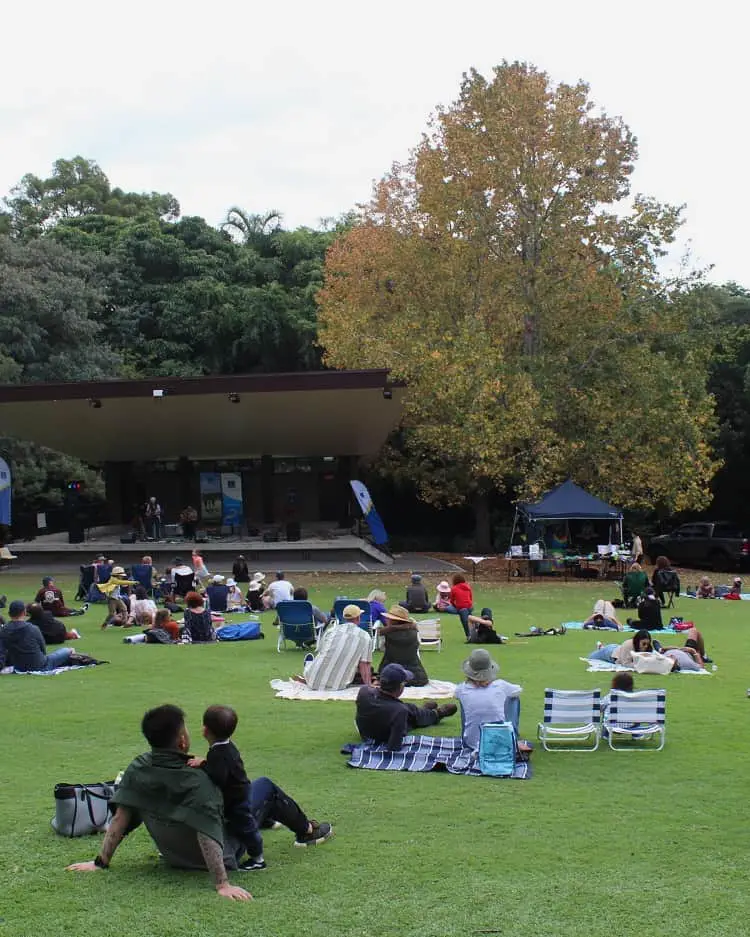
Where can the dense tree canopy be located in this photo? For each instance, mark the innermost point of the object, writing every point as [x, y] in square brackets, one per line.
[502, 275]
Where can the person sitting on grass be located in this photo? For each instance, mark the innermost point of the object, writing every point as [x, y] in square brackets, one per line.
[199, 627]
[402, 645]
[235, 600]
[705, 589]
[461, 601]
[417, 599]
[22, 645]
[344, 652]
[482, 629]
[163, 619]
[484, 698]
[53, 631]
[142, 609]
[181, 807]
[623, 653]
[603, 617]
[254, 596]
[382, 717]
[218, 594]
[649, 613]
[634, 585]
[442, 596]
[280, 590]
[52, 600]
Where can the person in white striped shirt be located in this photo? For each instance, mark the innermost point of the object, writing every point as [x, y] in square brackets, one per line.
[345, 650]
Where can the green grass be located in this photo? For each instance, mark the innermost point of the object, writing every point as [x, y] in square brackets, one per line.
[605, 843]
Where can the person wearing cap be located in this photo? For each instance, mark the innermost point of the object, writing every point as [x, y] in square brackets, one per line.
[240, 571]
[417, 599]
[52, 600]
[345, 651]
[280, 590]
[218, 594]
[22, 645]
[442, 596]
[484, 698]
[384, 718]
[402, 645]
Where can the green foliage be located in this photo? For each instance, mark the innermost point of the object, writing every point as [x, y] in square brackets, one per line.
[604, 843]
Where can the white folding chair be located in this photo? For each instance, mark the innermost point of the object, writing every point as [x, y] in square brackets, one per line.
[429, 633]
[636, 719]
[571, 718]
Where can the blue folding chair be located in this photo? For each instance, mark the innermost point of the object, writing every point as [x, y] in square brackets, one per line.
[143, 573]
[365, 622]
[297, 624]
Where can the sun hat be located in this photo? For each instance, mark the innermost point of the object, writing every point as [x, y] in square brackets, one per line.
[118, 571]
[231, 582]
[398, 613]
[255, 586]
[444, 586]
[218, 578]
[259, 577]
[395, 675]
[351, 611]
[480, 666]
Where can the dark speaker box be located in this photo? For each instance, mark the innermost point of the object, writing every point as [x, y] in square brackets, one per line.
[201, 536]
[294, 530]
[130, 537]
[76, 533]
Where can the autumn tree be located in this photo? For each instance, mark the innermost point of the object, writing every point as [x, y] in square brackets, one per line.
[506, 273]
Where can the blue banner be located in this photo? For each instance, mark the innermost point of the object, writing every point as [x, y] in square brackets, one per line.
[372, 517]
[5, 492]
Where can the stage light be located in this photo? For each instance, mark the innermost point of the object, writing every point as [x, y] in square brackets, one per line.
[233, 398]
[95, 404]
[75, 486]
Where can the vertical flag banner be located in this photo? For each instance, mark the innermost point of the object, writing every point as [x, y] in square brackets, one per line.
[231, 499]
[5, 492]
[210, 497]
[372, 517]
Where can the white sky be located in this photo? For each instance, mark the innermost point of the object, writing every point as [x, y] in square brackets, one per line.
[299, 106]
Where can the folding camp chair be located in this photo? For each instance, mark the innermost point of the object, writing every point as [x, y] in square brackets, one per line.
[636, 717]
[143, 573]
[571, 716]
[666, 584]
[365, 621]
[297, 624]
[85, 582]
[429, 633]
[184, 583]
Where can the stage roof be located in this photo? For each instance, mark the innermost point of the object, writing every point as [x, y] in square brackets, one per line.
[318, 413]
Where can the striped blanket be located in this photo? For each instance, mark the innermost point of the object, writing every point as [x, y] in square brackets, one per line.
[425, 753]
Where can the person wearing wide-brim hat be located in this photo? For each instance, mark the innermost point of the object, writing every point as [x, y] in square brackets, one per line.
[402, 644]
[384, 718]
[253, 596]
[484, 698]
[113, 590]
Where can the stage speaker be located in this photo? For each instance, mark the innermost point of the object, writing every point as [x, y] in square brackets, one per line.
[294, 530]
[271, 536]
[201, 536]
[76, 532]
[130, 537]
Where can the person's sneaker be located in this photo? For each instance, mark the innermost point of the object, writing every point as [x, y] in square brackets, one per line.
[76, 633]
[252, 865]
[319, 834]
[447, 709]
[275, 825]
[84, 608]
[599, 645]
[309, 658]
[430, 704]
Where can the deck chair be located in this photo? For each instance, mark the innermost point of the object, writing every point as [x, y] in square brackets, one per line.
[571, 716]
[666, 584]
[184, 583]
[143, 573]
[85, 582]
[297, 624]
[429, 633]
[365, 621]
[635, 718]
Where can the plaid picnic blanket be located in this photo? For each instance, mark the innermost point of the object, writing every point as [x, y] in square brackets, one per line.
[425, 753]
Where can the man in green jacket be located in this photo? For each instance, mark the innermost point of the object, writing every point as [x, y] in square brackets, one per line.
[182, 809]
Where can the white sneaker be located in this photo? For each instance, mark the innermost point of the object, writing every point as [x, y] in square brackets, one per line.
[76, 633]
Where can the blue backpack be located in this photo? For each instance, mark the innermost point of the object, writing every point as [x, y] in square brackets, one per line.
[497, 749]
[242, 631]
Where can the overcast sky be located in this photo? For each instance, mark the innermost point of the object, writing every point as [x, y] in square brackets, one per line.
[299, 106]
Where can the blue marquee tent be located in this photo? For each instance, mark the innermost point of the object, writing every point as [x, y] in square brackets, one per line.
[568, 502]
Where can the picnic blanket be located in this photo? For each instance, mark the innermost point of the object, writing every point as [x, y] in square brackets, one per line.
[426, 753]
[290, 689]
[744, 596]
[45, 673]
[578, 626]
[600, 666]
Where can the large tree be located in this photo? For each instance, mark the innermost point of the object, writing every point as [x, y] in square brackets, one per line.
[505, 273]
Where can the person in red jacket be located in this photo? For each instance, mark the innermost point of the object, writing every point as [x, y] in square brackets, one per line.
[461, 601]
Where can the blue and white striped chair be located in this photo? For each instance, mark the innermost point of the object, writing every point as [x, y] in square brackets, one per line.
[571, 720]
[636, 718]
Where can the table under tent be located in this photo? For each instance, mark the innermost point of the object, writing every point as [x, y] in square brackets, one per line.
[569, 531]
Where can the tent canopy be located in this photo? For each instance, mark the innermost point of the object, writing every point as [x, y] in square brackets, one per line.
[569, 502]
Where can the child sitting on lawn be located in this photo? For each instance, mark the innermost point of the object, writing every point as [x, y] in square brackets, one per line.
[223, 764]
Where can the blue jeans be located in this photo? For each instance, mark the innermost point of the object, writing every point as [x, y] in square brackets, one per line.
[604, 653]
[513, 711]
[463, 614]
[268, 803]
[241, 821]
[58, 658]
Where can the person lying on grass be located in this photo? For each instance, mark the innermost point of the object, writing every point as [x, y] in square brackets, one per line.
[623, 653]
[181, 807]
[384, 718]
[603, 617]
[482, 629]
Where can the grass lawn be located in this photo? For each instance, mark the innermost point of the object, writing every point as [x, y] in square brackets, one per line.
[595, 844]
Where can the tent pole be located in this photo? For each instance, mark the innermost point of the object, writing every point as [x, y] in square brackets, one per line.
[513, 531]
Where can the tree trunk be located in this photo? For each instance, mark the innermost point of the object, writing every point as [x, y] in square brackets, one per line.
[482, 533]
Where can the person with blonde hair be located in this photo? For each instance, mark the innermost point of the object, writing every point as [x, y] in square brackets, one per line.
[634, 585]
[377, 600]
